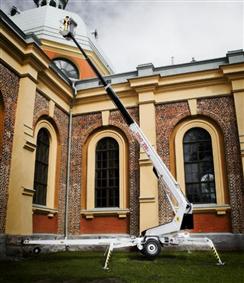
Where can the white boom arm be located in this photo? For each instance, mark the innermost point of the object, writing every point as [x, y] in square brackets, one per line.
[179, 204]
[172, 189]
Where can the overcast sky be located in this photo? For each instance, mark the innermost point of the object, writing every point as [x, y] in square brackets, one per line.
[152, 31]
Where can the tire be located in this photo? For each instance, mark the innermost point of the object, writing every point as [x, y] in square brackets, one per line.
[36, 250]
[151, 248]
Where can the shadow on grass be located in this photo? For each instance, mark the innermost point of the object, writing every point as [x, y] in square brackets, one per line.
[64, 256]
[178, 258]
[141, 257]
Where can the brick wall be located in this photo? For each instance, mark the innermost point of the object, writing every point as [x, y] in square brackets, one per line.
[9, 86]
[104, 225]
[221, 111]
[211, 223]
[44, 224]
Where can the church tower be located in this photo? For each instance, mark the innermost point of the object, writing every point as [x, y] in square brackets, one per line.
[44, 21]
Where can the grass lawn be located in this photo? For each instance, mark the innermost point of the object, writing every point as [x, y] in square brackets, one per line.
[74, 267]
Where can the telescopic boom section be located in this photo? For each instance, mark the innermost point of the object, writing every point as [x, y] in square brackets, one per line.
[179, 204]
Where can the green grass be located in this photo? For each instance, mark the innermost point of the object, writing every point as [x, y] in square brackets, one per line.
[74, 267]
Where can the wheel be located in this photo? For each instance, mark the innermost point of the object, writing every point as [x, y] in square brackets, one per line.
[151, 248]
[36, 250]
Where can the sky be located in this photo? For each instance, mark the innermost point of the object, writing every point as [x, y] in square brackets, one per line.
[136, 32]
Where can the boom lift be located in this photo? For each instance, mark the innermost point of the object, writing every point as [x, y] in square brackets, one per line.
[151, 240]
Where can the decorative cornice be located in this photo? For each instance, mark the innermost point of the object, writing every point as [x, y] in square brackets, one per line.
[144, 84]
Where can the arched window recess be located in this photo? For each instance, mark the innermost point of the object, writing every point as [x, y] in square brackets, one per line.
[199, 164]
[45, 166]
[106, 174]
[67, 67]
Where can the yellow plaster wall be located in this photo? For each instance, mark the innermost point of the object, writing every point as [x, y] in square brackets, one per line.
[95, 100]
[148, 196]
[239, 106]
[148, 183]
[176, 93]
[19, 212]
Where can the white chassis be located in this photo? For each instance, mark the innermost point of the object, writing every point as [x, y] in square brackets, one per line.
[150, 246]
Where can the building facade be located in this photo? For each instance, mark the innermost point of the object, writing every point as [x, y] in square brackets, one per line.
[69, 163]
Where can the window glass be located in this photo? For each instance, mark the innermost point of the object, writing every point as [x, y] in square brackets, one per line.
[67, 67]
[198, 164]
[107, 173]
[41, 167]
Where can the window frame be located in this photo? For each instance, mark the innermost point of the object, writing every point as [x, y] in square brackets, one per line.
[218, 162]
[90, 173]
[53, 147]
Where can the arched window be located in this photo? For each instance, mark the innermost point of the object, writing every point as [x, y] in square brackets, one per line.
[46, 139]
[106, 187]
[53, 3]
[43, 2]
[41, 167]
[198, 166]
[107, 173]
[67, 67]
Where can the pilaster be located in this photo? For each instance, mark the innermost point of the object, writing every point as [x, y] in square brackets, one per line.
[148, 200]
[239, 106]
[19, 213]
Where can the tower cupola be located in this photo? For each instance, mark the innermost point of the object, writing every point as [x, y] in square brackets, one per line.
[45, 20]
[60, 4]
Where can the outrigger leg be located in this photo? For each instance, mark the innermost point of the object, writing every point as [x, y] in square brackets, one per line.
[108, 254]
[211, 245]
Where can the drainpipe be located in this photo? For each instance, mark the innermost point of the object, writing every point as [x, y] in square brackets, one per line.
[66, 215]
